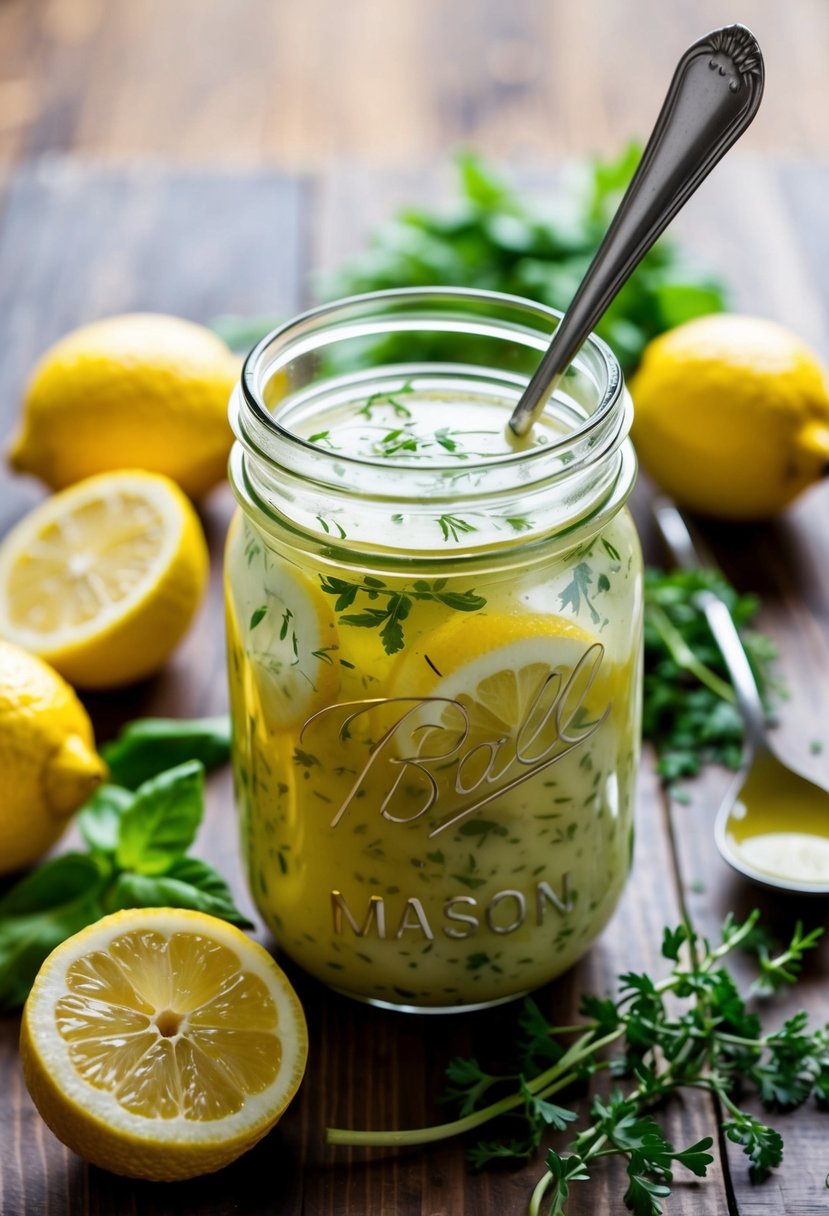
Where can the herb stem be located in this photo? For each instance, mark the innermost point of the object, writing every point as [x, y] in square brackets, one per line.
[684, 657]
[539, 1193]
[445, 1131]
[558, 1076]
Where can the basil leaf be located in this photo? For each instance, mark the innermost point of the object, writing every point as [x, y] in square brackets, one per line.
[148, 746]
[162, 821]
[199, 874]
[47, 906]
[196, 886]
[100, 818]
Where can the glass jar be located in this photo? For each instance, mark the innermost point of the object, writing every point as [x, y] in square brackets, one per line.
[434, 642]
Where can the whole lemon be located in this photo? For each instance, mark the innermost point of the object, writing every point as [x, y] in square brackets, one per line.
[142, 390]
[731, 416]
[47, 757]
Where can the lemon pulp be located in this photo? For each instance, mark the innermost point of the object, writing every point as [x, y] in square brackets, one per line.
[103, 579]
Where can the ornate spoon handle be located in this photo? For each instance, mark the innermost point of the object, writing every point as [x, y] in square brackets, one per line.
[713, 97]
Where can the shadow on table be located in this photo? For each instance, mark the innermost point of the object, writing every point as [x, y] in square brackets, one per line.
[264, 1182]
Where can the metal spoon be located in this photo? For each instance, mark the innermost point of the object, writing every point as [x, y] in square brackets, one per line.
[773, 823]
[713, 97]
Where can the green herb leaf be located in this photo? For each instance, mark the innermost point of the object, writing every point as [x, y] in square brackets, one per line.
[643, 1195]
[391, 634]
[148, 746]
[51, 903]
[389, 619]
[468, 1084]
[578, 590]
[162, 821]
[187, 884]
[696, 1157]
[99, 821]
[497, 240]
[705, 1037]
[689, 710]
[761, 1144]
[462, 601]
[541, 1113]
[672, 941]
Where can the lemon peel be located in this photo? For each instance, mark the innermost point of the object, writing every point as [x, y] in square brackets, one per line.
[731, 416]
[145, 389]
[47, 757]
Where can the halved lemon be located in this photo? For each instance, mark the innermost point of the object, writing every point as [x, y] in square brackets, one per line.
[286, 628]
[103, 579]
[161, 1043]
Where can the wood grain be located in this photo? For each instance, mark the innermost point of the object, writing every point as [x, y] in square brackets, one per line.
[78, 241]
[299, 85]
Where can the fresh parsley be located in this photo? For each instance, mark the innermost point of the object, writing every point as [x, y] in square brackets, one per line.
[137, 842]
[690, 712]
[691, 1029]
[394, 605]
[495, 238]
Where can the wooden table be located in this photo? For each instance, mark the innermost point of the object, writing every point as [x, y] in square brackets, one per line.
[274, 82]
[77, 242]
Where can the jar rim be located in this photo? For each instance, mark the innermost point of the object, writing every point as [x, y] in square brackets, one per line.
[271, 426]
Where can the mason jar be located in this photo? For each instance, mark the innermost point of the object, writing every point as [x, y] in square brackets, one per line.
[434, 639]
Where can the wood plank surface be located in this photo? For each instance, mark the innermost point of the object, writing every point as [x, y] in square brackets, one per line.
[297, 85]
[77, 242]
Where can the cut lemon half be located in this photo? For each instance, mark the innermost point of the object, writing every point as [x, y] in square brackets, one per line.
[286, 629]
[518, 687]
[161, 1043]
[103, 579]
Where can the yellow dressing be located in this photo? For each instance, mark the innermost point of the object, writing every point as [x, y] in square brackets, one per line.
[449, 824]
[779, 825]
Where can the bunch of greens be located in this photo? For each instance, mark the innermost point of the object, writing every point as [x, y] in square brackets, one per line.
[689, 709]
[497, 239]
[704, 1037]
[137, 835]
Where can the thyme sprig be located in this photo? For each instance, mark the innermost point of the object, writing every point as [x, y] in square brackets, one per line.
[707, 1037]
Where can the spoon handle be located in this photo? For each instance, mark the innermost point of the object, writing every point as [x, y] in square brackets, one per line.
[713, 97]
[675, 533]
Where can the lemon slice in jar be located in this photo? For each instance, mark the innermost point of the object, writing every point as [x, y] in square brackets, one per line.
[161, 1043]
[502, 693]
[286, 630]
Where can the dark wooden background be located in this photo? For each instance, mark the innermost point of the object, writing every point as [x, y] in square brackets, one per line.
[271, 138]
[298, 85]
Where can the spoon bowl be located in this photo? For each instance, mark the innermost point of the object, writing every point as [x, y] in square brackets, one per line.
[773, 826]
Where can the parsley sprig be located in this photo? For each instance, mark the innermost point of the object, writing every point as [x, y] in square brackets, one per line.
[498, 238]
[689, 706]
[395, 605]
[691, 1029]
